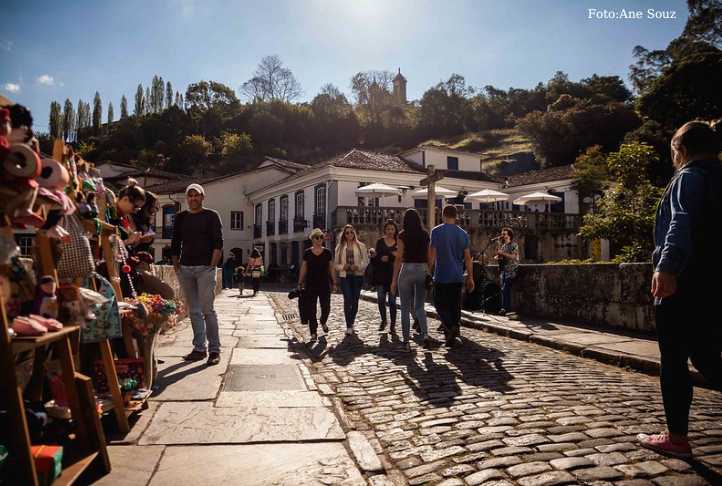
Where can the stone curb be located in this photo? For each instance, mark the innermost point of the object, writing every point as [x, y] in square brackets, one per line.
[622, 360]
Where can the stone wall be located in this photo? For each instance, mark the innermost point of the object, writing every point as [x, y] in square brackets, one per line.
[606, 294]
[167, 274]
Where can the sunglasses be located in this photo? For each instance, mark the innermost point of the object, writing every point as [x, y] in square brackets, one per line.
[317, 237]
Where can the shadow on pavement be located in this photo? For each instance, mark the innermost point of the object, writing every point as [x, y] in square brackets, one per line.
[174, 374]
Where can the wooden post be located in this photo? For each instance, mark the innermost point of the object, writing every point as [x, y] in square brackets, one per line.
[430, 181]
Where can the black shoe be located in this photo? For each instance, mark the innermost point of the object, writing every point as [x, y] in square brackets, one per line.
[214, 359]
[382, 326]
[195, 356]
[324, 327]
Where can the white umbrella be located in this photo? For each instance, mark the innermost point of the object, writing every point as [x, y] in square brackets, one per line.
[440, 192]
[378, 190]
[536, 197]
[487, 196]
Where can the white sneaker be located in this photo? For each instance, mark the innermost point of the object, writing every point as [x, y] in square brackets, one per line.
[349, 331]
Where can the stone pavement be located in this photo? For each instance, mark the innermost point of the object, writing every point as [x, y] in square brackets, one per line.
[498, 410]
[255, 419]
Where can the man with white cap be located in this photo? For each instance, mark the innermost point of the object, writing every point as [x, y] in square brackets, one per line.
[196, 251]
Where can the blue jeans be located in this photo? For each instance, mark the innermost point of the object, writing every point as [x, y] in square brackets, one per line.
[351, 287]
[412, 289]
[382, 295]
[505, 292]
[198, 284]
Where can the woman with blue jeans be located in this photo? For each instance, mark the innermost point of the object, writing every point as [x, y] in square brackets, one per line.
[350, 260]
[383, 266]
[508, 257]
[411, 270]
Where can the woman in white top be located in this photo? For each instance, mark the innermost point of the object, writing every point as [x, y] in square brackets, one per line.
[350, 260]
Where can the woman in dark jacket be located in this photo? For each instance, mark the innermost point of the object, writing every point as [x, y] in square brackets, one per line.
[383, 273]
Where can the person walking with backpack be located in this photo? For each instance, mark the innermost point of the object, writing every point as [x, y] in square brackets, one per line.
[410, 273]
[448, 256]
[686, 263]
[383, 263]
[196, 250]
[350, 259]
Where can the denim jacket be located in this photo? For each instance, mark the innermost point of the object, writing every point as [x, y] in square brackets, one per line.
[679, 215]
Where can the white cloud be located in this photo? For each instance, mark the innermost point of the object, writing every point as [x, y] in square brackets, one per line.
[46, 79]
[11, 87]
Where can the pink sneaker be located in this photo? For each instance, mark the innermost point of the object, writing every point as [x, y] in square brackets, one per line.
[663, 444]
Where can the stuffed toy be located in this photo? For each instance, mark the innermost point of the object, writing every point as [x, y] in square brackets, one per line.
[20, 166]
[53, 179]
[46, 300]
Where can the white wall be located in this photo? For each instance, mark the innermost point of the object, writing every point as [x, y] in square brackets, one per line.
[437, 157]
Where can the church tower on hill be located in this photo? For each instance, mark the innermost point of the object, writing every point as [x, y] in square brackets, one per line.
[400, 88]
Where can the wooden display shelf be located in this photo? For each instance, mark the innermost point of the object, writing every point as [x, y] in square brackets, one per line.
[74, 468]
[26, 343]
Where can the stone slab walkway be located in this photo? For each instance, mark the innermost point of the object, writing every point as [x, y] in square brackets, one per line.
[255, 419]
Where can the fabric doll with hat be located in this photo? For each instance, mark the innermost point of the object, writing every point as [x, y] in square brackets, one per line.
[20, 166]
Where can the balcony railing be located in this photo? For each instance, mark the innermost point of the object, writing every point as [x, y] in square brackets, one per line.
[371, 217]
[257, 231]
[299, 225]
[270, 228]
[319, 221]
[282, 226]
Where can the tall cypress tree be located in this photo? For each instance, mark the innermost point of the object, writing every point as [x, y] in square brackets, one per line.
[148, 105]
[97, 113]
[56, 120]
[111, 115]
[68, 120]
[138, 109]
[168, 95]
[80, 120]
[123, 108]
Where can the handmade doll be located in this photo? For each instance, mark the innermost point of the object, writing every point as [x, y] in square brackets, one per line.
[46, 300]
[20, 165]
[53, 179]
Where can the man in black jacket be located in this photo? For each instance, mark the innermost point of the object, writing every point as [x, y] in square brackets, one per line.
[196, 250]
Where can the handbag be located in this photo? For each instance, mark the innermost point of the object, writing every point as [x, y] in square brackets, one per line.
[107, 323]
[76, 260]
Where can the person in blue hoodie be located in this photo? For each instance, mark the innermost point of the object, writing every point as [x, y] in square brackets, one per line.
[687, 266]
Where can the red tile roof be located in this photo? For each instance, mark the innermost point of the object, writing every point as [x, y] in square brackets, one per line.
[542, 175]
[360, 159]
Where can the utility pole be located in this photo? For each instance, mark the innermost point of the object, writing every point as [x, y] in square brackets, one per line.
[430, 180]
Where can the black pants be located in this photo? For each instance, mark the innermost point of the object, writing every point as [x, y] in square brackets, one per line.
[447, 300]
[687, 328]
[256, 282]
[310, 296]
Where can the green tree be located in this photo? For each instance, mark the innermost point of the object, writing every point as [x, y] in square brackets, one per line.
[111, 115]
[68, 127]
[56, 120]
[97, 113]
[590, 176]
[139, 110]
[168, 95]
[235, 144]
[123, 108]
[625, 215]
[148, 101]
[193, 153]
[445, 108]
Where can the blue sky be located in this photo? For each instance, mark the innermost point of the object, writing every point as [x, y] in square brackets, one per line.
[52, 50]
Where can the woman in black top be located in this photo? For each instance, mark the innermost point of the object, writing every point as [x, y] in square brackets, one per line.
[410, 271]
[315, 279]
[383, 273]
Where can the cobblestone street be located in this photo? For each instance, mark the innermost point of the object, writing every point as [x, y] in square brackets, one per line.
[498, 411]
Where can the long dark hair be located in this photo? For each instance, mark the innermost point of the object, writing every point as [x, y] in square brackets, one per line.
[412, 224]
[391, 222]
